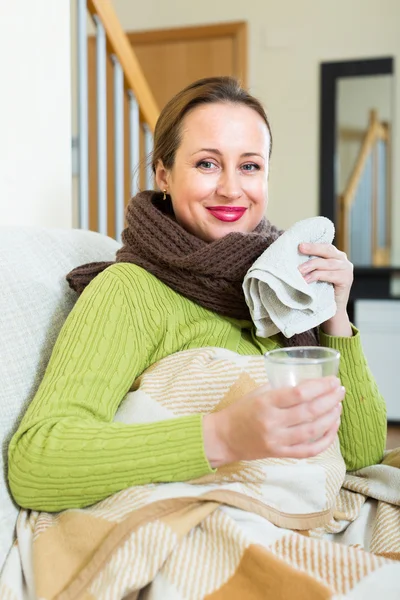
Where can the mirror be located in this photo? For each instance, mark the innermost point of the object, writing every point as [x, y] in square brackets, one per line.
[356, 159]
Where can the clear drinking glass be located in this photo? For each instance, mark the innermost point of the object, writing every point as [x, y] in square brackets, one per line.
[289, 366]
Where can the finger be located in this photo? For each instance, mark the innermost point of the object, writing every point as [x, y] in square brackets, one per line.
[322, 250]
[314, 430]
[327, 264]
[304, 392]
[307, 412]
[313, 448]
[335, 277]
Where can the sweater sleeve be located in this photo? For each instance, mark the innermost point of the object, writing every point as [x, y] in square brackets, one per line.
[68, 452]
[363, 427]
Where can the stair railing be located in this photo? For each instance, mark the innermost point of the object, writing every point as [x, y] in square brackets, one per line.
[128, 80]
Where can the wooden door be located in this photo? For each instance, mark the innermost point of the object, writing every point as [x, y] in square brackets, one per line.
[171, 59]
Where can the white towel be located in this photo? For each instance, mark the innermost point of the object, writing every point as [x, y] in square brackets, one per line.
[276, 293]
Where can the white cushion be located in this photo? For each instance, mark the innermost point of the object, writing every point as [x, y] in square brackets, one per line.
[35, 300]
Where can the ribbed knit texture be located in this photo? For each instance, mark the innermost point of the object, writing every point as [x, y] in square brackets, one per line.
[68, 452]
[209, 273]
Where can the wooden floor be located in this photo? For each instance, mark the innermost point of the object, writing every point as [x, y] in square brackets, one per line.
[393, 437]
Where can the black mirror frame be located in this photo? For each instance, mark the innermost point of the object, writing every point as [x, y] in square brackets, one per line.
[330, 72]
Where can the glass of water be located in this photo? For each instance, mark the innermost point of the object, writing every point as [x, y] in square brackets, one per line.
[289, 366]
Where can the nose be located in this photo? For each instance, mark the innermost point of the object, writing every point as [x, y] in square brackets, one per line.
[229, 185]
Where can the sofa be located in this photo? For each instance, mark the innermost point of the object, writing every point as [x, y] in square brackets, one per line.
[35, 300]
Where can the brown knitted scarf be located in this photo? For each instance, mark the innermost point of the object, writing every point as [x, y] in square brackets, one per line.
[210, 274]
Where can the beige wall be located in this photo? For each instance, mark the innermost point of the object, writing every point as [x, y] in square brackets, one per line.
[35, 113]
[287, 41]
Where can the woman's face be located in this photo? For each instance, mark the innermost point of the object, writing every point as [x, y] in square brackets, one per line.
[219, 181]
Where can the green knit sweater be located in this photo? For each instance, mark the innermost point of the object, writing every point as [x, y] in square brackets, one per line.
[68, 452]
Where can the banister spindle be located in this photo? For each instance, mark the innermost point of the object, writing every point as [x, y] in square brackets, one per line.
[83, 116]
[119, 147]
[134, 125]
[101, 126]
[148, 149]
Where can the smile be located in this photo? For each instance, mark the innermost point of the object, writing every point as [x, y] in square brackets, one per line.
[227, 213]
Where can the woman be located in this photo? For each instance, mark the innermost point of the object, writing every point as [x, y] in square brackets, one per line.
[177, 285]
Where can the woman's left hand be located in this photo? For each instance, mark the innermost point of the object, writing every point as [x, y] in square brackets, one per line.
[330, 265]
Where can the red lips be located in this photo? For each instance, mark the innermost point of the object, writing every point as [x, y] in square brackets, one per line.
[227, 213]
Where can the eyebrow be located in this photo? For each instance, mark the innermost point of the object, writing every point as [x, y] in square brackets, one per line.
[216, 151]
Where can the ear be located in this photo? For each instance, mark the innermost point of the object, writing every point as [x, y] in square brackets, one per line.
[162, 176]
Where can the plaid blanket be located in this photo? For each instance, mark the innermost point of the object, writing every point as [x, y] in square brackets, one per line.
[276, 528]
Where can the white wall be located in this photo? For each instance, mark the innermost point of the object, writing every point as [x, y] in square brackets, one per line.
[35, 113]
[287, 41]
[356, 97]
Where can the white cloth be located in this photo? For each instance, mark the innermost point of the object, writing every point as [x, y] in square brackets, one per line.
[276, 293]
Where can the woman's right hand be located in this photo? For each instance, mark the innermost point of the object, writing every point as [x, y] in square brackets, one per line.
[292, 422]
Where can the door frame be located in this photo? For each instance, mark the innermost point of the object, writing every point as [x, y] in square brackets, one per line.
[236, 30]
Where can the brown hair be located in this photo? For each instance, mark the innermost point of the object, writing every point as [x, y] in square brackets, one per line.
[167, 134]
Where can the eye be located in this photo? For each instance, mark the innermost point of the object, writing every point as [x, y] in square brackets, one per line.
[251, 167]
[205, 164]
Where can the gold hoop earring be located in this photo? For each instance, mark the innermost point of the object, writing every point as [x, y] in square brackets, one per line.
[165, 195]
